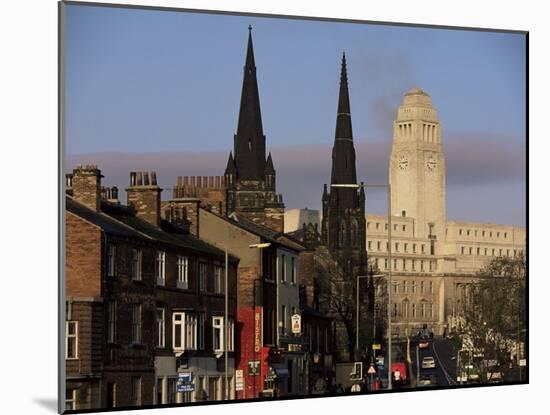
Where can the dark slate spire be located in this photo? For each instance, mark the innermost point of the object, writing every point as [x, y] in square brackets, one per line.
[343, 120]
[343, 152]
[230, 169]
[269, 169]
[250, 140]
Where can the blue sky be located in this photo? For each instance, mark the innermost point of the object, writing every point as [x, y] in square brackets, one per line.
[144, 81]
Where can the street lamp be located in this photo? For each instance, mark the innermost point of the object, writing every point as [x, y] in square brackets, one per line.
[388, 187]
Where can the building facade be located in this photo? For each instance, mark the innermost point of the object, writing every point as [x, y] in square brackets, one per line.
[145, 301]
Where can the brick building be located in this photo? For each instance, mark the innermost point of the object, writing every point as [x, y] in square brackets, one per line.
[145, 300]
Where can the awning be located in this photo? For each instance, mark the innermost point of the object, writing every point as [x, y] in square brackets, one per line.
[281, 371]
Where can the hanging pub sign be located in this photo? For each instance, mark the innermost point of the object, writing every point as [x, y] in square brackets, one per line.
[296, 320]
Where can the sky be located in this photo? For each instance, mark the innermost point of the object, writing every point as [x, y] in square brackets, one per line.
[160, 90]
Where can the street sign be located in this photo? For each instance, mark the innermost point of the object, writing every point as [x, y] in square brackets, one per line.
[254, 368]
[371, 370]
[239, 380]
[296, 320]
[184, 383]
[376, 346]
[357, 373]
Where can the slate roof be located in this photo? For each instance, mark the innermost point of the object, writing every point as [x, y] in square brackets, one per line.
[119, 220]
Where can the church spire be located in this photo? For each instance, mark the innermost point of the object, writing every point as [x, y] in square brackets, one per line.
[249, 149]
[343, 152]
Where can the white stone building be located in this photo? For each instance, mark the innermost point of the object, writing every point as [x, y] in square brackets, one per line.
[433, 260]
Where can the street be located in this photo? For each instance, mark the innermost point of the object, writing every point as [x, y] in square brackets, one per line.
[443, 352]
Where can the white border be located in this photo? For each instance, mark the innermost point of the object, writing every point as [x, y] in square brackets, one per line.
[28, 91]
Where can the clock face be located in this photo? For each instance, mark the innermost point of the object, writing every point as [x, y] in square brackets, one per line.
[431, 164]
[403, 163]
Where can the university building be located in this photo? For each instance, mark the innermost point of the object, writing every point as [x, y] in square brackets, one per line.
[433, 260]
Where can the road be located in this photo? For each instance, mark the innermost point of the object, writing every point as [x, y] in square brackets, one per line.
[443, 352]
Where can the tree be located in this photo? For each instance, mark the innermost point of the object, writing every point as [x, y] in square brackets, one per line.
[494, 315]
[336, 285]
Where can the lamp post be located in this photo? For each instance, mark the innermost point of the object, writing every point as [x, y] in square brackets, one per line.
[388, 187]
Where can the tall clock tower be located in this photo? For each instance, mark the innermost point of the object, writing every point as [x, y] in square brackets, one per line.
[417, 167]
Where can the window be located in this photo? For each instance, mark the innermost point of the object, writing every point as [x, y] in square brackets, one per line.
[413, 287]
[160, 327]
[431, 287]
[493, 252]
[136, 323]
[414, 248]
[505, 235]
[135, 267]
[394, 227]
[184, 331]
[498, 234]
[500, 252]
[431, 266]
[183, 272]
[422, 309]
[378, 245]
[200, 335]
[413, 308]
[405, 246]
[293, 270]
[507, 252]
[395, 264]
[377, 225]
[111, 258]
[405, 309]
[385, 263]
[404, 228]
[219, 279]
[413, 265]
[482, 233]
[203, 270]
[396, 247]
[404, 264]
[135, 393]
[394, 310]
[70, 400]
[71, 340]
[369, 245]
[385, 226]
[468, 232]
[485, 251]
[460, 231]
[111, 322]
[283, 268]
[395, 288]
[478, 251]
[160, 267]
[421, 265]
[405, 286]
[403, 213]
[422, 287]
[171, 390]
[218, 333]
[470, 250]
[430, 310]
[422, 248]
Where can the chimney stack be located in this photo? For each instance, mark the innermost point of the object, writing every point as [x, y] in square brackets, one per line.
[86, 186]
[144, 196]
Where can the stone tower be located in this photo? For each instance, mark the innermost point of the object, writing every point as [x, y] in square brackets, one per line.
[249, 176]
[343, 223]
[417, 168]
